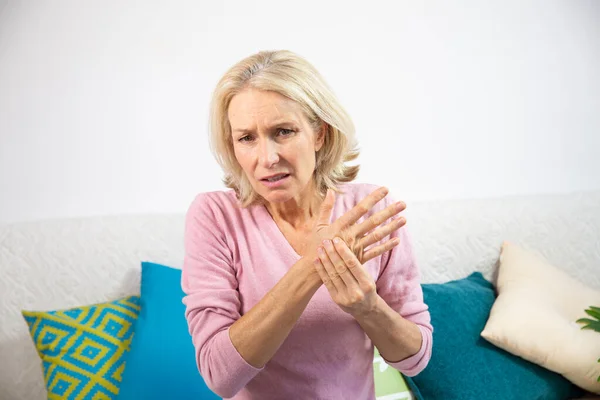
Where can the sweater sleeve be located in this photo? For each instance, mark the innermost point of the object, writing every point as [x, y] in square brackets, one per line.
[399, 285]
[211, 298]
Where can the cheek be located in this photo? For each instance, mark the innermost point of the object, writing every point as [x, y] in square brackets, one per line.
[243, 156]
[305, 159]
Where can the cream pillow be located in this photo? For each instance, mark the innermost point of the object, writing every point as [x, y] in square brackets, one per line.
[534, 317]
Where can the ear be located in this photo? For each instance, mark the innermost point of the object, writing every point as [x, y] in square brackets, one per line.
[320, 140]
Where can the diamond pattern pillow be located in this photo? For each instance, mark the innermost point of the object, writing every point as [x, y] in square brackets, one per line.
[82, 348]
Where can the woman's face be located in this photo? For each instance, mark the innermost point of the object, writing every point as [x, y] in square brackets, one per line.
[272, 138]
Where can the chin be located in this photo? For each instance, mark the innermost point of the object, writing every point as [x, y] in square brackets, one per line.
[278, 196]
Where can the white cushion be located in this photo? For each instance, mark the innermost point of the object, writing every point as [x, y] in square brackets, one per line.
[534, 317]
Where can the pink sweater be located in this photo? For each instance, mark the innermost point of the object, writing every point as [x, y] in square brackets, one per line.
[234, 256]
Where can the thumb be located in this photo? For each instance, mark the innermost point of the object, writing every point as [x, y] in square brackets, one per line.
[326, 208]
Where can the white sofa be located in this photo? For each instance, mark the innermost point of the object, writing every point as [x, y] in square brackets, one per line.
[54, 264]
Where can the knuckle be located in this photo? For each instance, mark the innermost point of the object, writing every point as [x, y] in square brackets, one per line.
[376, 251]
[362, 209]
[377, 236]
[370, 287]
[373, 220]
[358, 296]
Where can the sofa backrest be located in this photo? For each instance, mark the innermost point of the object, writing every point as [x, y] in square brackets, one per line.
[56, 264]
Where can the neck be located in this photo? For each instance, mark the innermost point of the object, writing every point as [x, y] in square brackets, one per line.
[300, 211]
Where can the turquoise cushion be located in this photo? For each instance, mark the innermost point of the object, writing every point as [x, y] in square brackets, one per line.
[162, 363]
[466, 366]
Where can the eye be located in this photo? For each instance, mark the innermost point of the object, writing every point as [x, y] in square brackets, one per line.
[285, 132]
[246, 138]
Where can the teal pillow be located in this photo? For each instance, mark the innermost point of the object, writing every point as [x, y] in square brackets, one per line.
[162, 363]
[465, 366]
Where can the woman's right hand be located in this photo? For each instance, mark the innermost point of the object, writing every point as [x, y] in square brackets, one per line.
[358, 236]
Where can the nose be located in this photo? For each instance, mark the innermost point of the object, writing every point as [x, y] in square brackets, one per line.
[268, 153]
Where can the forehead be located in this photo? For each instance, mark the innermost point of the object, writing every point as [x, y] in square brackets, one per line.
[252, 106]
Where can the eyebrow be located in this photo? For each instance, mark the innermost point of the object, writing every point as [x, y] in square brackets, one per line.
[276, 124]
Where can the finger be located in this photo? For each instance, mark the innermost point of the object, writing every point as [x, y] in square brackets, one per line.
[336, 280]
[324, 277]
[382, 248]
[360, 209]
[360, 275]
[340, 265]
[381, 232]
[326, 208]
[378, 218]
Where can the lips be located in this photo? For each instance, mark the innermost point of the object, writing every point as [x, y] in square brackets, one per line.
[275, 178]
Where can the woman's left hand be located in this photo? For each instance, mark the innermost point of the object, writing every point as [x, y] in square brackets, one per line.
[348, 283]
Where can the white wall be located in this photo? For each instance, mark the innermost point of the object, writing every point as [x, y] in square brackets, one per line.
[103, 104]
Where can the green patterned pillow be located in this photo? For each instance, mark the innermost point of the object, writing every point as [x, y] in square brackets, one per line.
[82, 348]
[389, 382]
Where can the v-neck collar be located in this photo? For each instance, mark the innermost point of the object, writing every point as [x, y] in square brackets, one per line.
[279, 239]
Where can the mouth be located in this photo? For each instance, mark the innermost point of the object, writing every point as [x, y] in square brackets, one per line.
[275, 178]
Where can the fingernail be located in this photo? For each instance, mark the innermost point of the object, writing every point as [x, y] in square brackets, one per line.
[327, 242]
[336, 240]
[399, 205]
[321, 251]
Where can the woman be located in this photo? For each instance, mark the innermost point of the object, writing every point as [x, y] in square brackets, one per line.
[295, 274]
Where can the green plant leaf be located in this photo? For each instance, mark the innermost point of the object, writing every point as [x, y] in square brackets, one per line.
[593, 313]
[593, 325]
[595, 308]
[585, 320]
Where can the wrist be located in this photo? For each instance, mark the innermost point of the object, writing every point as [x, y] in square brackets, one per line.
[307, 274]
[313, 277]
[371, 314]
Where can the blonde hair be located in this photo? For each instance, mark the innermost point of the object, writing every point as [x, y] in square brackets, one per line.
[291, 76]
